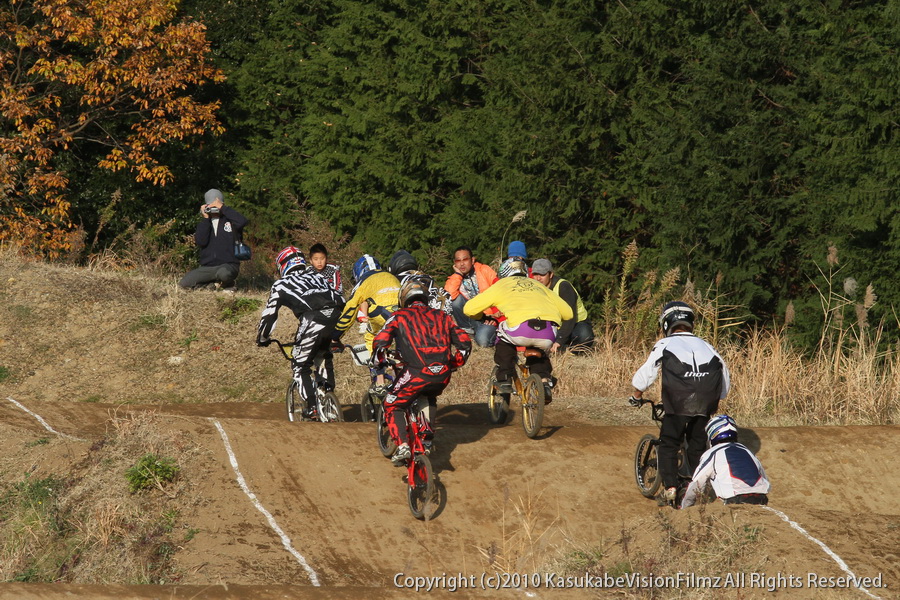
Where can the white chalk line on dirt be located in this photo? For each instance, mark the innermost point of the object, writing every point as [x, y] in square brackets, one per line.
[285, 540]
[44, 423]
[822, 545]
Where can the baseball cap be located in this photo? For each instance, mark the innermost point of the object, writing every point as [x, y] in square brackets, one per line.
[541, 266]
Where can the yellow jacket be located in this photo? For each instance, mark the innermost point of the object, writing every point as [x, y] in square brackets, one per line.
[520, 299]
[381, 290]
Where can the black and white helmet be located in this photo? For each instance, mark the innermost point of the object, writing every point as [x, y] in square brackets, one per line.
[414, 287]
[511, 267]
[676, 313]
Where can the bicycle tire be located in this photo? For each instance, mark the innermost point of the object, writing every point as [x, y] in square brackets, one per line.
[330, 409]
[367, 407]
[646, 466]
[385, 443]
[293, 402]
[532, 405]
[498, 404]
[420, 489]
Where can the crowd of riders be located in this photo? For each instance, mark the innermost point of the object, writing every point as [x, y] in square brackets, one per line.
[429, 328]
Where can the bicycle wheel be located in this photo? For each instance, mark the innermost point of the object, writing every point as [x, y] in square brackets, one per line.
[533, 405]
[367, 407]
[293, 401]
[420, 490]
[498, 404]
[330, 409]
[385, 443]
[646, 466]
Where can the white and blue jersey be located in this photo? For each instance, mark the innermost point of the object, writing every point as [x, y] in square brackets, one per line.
[732, 469]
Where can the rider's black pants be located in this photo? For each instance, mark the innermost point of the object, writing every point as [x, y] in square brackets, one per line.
[675, 429]
[505, 357]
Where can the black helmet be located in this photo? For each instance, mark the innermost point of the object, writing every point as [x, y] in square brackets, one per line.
[414, 287]
[401, 262]
[676, 313]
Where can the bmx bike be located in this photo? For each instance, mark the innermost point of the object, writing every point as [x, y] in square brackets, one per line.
[327, 408]
[528, 387]
[646, 459]
[370, 403]
[422, 493]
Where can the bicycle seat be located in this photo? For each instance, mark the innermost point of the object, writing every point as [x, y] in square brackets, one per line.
[533, 353]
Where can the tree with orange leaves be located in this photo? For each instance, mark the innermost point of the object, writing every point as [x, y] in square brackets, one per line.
[114, 73]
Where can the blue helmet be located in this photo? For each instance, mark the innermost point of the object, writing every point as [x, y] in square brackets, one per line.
[721, 428]
[363, 265]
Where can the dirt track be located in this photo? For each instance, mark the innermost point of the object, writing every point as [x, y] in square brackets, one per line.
[343, 506]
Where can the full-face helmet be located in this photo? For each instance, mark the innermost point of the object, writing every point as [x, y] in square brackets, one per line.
[289, 259]
[363, 265]
[512, 267]
[401, 262]
[676, 313]
[414, 288]
[721, 428]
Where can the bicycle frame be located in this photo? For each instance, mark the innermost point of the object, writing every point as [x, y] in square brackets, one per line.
[420, 479]
[646, 458]
[529, 388]
[370, 402]
[326, 401]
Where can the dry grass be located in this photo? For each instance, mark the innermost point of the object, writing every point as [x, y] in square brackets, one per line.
[85, 526]
[701, 543]
[772, 383]
[851, 378]
[525, 528]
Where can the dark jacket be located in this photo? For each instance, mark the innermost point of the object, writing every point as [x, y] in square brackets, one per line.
[218, 248]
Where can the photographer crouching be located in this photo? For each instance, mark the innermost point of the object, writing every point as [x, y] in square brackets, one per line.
[215, 235]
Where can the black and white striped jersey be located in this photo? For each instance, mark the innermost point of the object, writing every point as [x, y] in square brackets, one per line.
[301, 291]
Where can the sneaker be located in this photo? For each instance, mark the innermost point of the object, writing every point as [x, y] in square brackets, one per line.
[504, 388]
[310, 414]
[401, 455]
[548, 392]
[429, 447]
[670, 494]
[380, 390]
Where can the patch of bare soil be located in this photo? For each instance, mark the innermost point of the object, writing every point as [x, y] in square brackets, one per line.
[83, 349]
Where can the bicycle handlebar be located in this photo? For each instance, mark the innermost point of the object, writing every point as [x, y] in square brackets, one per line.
[657, 407]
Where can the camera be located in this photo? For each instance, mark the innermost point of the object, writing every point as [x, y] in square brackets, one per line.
[212, 210]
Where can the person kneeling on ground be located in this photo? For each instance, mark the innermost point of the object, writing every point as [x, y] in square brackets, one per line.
[425, 340]
[532, 315]
[216, 232]
[736, 475]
